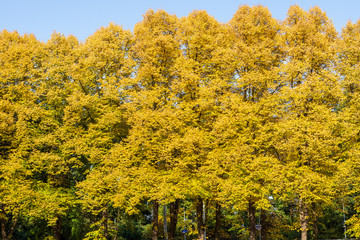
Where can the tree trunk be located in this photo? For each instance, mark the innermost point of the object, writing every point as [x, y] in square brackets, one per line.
[174, 212]
[200, 218]
[265, 225]
[303, 212]
[57, 229]
[105, 223]
[165, 224]
[316, 222]
[3, 229]
[217, 221]
[316, 231]
[155, 220]
[252, 221]
[3, 223]
[14, 221]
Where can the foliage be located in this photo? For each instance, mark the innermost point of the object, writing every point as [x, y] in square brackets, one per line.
[255, 119]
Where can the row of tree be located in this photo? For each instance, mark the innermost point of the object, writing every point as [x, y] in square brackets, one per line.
[225, 126]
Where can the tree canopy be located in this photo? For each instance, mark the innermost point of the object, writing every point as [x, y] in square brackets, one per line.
[183, 126]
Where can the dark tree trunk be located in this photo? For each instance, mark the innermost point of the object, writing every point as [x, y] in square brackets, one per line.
[12, 228]
[303, 214]
[155, 220]
[3, 229]
[5, 235]
[316, 222]
[57, 229]
[105, 217]
[252, 220]
[3, 223]
[165, 224]
[174, 212]
[316, 230]
[200, 221]
[217, 221]
[265, 224]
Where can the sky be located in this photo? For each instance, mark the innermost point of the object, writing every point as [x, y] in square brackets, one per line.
[82, 18]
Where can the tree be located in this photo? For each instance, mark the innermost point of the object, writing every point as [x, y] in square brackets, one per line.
[95, 110]
[308, 138]
[348, 68]
[200, 86]
[144, 160]
[20, 60]
[248, 123]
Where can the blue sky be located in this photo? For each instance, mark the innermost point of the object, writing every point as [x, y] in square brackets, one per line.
[82, 18]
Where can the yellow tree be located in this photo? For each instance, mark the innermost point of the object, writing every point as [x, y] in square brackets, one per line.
[246, 128]
[348, 66]
[200, 86]
[307, 141]
[96, 115]
[20, 61]
[42, 156]
[34, 81]
[151, 117]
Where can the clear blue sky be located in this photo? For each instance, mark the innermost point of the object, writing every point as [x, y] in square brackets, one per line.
[83, 17]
